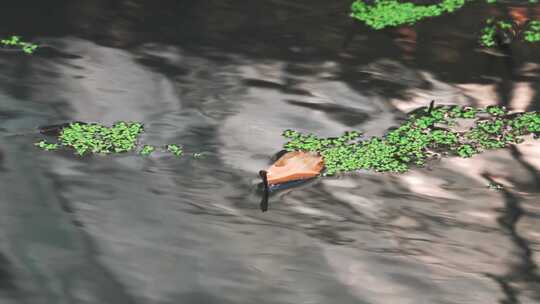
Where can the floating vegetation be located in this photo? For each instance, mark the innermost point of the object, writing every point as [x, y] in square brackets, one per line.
[87, 138]
[46, 146]
[532, 33]
[487, 39]
[175, 150]
[420, 138]
[388, 13]
[381, 14]
[95, 138]
[147, 150]
[529, 31]
[15, 41]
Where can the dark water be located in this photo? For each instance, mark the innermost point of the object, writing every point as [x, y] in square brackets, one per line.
[226, 78]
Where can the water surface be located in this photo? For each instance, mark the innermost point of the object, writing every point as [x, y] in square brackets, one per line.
[226, 78]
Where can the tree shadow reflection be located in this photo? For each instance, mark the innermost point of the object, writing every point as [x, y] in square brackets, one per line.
[524, 270]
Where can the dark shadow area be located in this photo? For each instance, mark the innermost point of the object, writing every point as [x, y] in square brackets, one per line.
[196, 297]
[264, 84]
[161, 65]
[525, 270]
[2, 162]
[303, 32]
[348, 116]
[533, 187]
[7, 278]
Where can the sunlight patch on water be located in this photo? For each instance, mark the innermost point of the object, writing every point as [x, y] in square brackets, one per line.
[522, 96]
[530, 69]
[301, 207]
[341, 183]
[441, 92]
[369, 206]
[482, 94]
[499, 163]
[427, 185]
[485, 217]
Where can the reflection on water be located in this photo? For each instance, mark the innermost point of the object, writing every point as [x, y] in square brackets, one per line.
[226, 78]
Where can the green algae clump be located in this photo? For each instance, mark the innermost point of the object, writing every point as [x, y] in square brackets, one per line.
[147, 150]
[46, 145]
[95, 138]
[532, 33]
[15, 41]
[87, 138]
[176, 150]
[421, 137]
[387, 13]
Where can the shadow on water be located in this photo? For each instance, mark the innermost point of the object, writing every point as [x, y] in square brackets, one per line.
[524, 271]
[161, 65]
[7, 278]
[533, 171]
[210, 35]
[348, 116]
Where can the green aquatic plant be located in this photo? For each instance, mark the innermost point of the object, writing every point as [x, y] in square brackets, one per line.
[505, 25]
[419, 139]
[95, 138]
[489, 31]
[175, 150]
[532, 33]
[496, 110]
[15, 41]
[487, 37]
[391, 13]
[466, 150]
[46, 146]
[147, 150]
[387, 13]
[527, 123]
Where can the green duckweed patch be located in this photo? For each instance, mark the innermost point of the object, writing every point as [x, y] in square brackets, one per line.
[388, 13]
[176, 150]
[15, 41]
[392, 13]
[420, 138]
[530, 32]
[147, 150]
[46, 145]
[94, 138]
[488, 33]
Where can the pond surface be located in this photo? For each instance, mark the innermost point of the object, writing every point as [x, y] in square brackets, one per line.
[225, 78]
